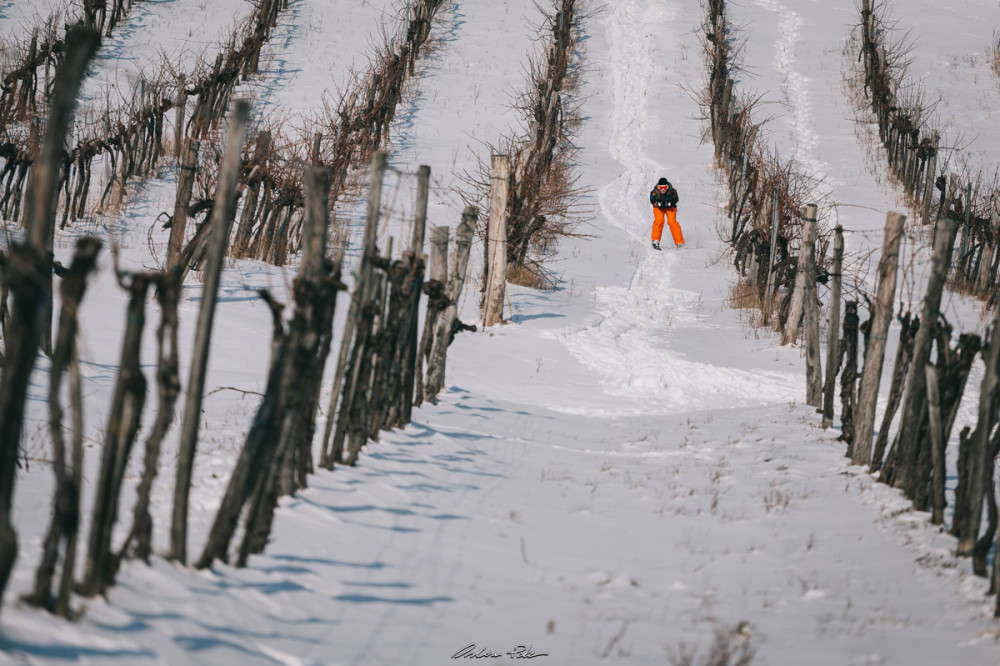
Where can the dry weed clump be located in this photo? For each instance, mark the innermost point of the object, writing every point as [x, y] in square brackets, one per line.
[994, 54]
[729, 647]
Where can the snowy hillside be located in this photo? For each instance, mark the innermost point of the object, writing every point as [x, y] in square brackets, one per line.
[626, 471]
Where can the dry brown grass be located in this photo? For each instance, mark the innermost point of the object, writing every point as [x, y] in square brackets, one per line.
[525, 276]
[729, 647]
[995, 54]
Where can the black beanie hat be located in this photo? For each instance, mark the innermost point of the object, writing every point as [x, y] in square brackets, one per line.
[662, 181]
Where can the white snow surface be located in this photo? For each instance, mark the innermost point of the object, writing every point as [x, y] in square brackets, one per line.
[622, 469]
[18, 18]
[955, 68]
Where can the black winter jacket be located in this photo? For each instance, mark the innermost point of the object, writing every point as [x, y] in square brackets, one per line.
[664, 200]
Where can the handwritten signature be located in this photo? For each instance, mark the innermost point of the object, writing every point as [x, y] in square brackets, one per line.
[473, 651]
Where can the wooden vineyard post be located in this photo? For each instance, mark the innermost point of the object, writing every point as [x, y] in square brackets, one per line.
[905, 453]
[416, 283]
[241, 242]
[814, 371]
[874, 356]
[849, 374]
[928, 195]
[436, 289]
[28, 273]
[456, 281]
[123, 425]
[963, 256]
[179, 110]
[833, 339]
[900, 369]
[496, 282]
[299, 376]
[986, 261]
[981, 462]
[769, 295]
[937, 443]
[185, 186]
[220, 225]
[791, 331]
[358, 326]
[64, 522]
[169, 387]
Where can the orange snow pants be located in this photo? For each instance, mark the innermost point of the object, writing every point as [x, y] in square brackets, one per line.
[671, 219]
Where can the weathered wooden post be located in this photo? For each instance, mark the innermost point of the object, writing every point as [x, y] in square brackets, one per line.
[179, 110]
[29, 275]
[412, 331]
[358, 322]
[185, 186]
[937, 443]
[849, 373]
[791, 331]
[436, 289]
[65, 518]
[814, 371]
[774, 247]
[979, 451]
[220, 224]
[900, 369]
[308, 338]
[497, 237]
[874, 356]
[456, 281]
[962, 265]
[930, 177]
[241, 242]
[168, 387]
[317, 144]
[905, 453]
[833, 339]
[123, 424]
[989, 245]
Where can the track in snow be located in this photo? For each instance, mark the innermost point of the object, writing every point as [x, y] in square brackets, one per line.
[631, 345]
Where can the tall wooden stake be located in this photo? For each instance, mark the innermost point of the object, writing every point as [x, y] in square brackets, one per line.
[937, 443]
[791, 331]
[29, 275]
[774, 248]
[179, 110]
[980, 460]
[436, 288]
[348, 370]
[182, 199]
[810, 304]
[497, 235]
[916, 392]
[833, 339]
[986, 261]
[221, 222]
[931, 175]
[409, 354]
[456, 281]
[874, 357]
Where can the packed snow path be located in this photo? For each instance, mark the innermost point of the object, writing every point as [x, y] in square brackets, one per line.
[611, 477]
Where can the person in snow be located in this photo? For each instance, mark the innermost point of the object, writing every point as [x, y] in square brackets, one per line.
[664, 199]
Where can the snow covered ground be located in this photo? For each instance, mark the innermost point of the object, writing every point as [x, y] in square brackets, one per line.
[18, 18]
[955, 68]
[610, 478]
[183, 32]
